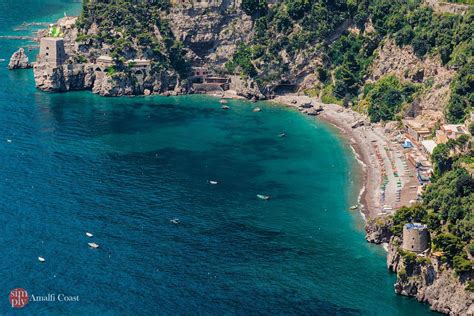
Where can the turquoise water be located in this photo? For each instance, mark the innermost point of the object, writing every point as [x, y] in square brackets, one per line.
[122, 168]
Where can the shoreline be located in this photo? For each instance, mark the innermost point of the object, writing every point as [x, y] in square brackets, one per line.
[375, 152]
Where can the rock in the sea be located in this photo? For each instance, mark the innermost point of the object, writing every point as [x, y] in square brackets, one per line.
[19, 60]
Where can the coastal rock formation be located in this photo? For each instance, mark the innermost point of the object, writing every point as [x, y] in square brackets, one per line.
[405, 65]
[430, 280]
[378, 230]
[67, 77]
[211, 33]
[19, 60]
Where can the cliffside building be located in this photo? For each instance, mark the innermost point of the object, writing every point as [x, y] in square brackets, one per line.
[416, 130]
[416, 237]
[450, 131]
[202, 80]
[52, 51]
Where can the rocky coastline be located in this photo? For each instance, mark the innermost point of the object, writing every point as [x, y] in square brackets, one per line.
[429, 280]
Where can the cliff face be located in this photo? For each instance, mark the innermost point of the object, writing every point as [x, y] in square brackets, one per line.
[429, 71]
[427, 278]
[211, 35]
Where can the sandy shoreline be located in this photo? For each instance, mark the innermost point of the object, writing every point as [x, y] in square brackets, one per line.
[381, 159]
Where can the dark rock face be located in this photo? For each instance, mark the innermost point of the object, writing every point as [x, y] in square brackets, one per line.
[378, 230]
[431, 281]
[19, 60]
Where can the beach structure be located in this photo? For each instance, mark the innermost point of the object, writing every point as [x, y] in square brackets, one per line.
[104, 62]
[415, 130]
[416, 237]
[202, 80]
[407, 144]
[450, 131]
[428, 146]
[52, 50]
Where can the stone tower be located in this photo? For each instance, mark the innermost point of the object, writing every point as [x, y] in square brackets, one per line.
[416, 237]
[52, 51]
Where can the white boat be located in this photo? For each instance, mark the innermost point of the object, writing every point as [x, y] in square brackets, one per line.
[282, 135]
[354, 207]
[41, 259]
[222, 101]
[225, 107]
[257, 110]
[89, 234]
[263, 197]
[213, 182]
[174, 221]
[93, 245]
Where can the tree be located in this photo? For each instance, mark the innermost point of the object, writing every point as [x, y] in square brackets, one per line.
[449, 244]
[254, 7]
[441, 159]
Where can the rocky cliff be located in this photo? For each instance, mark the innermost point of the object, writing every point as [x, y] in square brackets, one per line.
[430, 280]
[428, 71]
[426, 277]
[19, 60]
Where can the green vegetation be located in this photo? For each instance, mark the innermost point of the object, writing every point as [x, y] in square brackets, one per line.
[447, 209]
[286, 29]
[130, 27]
[386, 97]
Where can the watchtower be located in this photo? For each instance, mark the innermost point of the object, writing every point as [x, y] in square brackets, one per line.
[416, 237]
[52, 50]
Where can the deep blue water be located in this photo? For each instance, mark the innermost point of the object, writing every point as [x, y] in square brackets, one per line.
[122, 168]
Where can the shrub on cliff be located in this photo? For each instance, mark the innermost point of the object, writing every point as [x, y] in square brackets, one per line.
[386, 97]
[449, 244]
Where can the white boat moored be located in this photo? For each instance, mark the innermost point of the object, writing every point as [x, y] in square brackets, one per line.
[174, 221]
[93, 245]
[41, 259]
[89, 234]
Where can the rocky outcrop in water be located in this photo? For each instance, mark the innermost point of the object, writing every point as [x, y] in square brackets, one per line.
[19, 60]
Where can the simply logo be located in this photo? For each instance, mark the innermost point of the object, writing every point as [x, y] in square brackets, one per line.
[18, 298]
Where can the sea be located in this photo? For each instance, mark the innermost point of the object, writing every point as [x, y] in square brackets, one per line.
[123, 168]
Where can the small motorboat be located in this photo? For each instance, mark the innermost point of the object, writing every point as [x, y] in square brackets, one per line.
[354, 207]
[257, 109]
[174, 221]
[41, 259]
[263, 197]
[93, 245]
[222, 101]
[282, 135]
[89, 235]
[225, 107]
[9, 140]
[213, 182]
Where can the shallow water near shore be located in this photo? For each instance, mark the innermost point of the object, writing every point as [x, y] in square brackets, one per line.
[122, 168]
